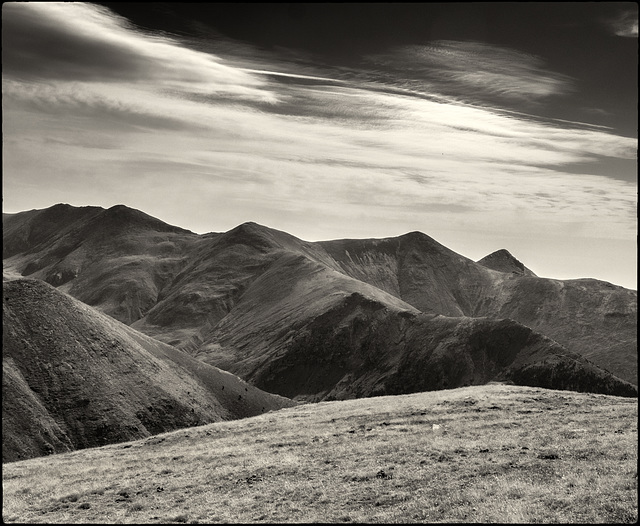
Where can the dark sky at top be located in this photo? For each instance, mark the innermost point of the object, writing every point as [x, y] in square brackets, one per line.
[573, 38]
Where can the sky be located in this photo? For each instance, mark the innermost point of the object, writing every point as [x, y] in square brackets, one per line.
[484, 125]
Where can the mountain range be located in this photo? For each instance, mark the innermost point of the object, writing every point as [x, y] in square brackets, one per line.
[257, 301]
[117, 325]
[338, 318]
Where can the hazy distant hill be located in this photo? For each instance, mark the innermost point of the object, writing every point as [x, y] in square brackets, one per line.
[273, 308]
[76, 378]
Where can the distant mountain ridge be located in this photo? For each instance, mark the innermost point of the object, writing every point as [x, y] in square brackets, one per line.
[254, 300]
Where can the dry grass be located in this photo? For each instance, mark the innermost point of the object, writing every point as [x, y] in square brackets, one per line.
[501, 454]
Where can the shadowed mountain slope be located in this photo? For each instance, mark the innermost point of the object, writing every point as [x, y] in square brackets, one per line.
[218, 272]
[241, 299]
[591, 317]
[76, 378]
[320, 335]
[278, 307]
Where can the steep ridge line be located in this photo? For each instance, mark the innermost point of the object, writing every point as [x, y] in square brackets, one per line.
[189, 290]
[346, 339]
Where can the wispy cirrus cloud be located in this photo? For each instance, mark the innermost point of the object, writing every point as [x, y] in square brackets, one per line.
[472, 68]
[86, 43]
[626, 23]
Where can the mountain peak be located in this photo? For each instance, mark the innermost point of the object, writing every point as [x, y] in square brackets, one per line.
[251, 233]
[121, 216]
[250, 227]
[419, 237]
[503, 261]
[25, 230]
[262, 237]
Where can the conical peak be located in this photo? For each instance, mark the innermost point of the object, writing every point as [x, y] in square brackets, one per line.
[503, 261]
[251, 233]
[503, 252]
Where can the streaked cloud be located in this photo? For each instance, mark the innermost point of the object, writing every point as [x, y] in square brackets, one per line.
[626, 23]
[87, 43]
[458, 67]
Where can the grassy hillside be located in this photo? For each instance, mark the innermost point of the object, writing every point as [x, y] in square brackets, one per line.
[494, 453]
[76, 378]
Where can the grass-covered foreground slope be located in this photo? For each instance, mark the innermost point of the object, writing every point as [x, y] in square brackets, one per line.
[492, 453]
[74, 378]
